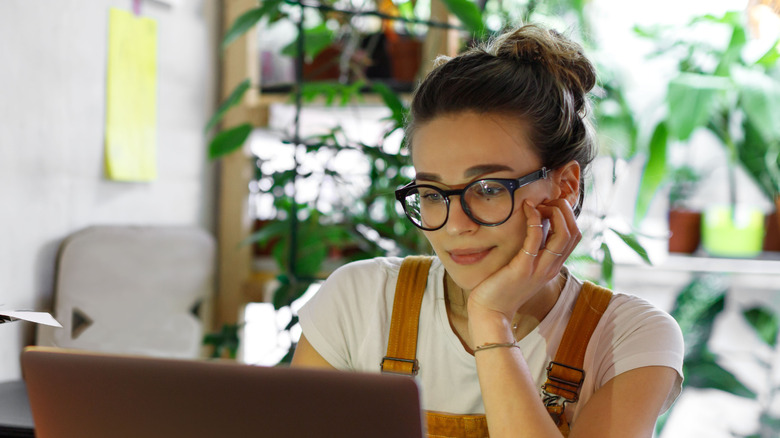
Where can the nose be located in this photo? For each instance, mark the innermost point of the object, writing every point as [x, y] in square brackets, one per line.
[458, 221]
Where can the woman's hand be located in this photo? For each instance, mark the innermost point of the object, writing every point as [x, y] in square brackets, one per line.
[534, 266]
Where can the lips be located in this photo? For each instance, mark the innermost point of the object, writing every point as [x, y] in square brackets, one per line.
[469, 256]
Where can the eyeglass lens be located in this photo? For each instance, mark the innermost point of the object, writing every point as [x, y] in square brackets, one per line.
[487, 202]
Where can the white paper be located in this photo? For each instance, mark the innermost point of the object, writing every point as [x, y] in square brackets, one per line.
[27, 315]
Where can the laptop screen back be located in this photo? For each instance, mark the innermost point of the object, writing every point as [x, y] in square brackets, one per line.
[77, 394]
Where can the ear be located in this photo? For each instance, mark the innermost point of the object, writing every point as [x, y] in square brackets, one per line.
[567, 181]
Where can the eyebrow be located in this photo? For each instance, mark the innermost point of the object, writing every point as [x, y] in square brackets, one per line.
[471, 172]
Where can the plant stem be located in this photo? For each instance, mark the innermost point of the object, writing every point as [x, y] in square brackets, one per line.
[293, 253]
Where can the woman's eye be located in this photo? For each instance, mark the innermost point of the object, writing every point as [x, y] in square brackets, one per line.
[431, 196]
[489, 190]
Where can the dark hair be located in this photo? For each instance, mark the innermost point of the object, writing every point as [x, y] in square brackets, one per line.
[532, 73]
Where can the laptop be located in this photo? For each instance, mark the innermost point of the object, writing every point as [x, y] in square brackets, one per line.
[90, 395]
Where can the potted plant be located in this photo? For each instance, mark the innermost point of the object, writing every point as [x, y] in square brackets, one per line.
[720, 90]
[684, 220]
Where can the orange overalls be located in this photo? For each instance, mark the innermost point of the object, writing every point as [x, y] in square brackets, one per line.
[564, 374]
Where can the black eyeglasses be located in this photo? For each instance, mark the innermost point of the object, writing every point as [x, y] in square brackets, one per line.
[487, 202]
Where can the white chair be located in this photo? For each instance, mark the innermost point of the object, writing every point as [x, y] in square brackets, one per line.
[133, 289]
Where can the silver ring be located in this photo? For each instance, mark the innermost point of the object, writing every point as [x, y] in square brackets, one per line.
[532, 255]
[535, 226]
[556, 254]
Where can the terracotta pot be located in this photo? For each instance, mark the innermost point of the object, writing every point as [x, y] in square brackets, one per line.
[405, 55]
[684, 231]
[772, 236]
[324, 66]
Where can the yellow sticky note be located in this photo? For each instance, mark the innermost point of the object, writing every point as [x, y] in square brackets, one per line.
[131, 98]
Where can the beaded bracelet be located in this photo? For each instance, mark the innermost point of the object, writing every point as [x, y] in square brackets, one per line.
[489, 345]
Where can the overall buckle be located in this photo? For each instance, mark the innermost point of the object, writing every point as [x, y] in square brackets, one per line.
[561, 390]
[415, 365]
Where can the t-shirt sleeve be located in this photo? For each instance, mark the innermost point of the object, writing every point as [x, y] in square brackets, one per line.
[641, 335]
[334, 318]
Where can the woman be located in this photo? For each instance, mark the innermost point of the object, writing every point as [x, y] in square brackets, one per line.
[499, 139]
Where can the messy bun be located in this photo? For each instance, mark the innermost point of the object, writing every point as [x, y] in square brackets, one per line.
[532, 73]
[550, 50]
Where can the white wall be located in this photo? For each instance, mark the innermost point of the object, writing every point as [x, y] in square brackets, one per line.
[52, 115]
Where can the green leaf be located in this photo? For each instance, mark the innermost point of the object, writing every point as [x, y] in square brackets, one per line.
[248, 20]
[769, 59]
[761, 160]
[392, 101]
[269, 231]
[707, 374]
[733, 54]
[469, 15]
[696, 308]
[773, 423]
[330, 90]
[691, 99]
[607, 265]
[759, 95]
[631, 241]
[226, 339]
[764, 322]
[654, 171]
[289, 290]
[234, 99]
[316, 39]
[229, 140]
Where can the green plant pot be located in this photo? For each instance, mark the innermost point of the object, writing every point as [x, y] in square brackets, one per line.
[728, 233]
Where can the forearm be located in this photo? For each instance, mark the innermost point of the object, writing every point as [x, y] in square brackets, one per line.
[512, 403]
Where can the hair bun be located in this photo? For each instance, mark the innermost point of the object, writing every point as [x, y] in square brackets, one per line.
[562, 58]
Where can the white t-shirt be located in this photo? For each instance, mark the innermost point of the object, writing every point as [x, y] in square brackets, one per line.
[348, 323]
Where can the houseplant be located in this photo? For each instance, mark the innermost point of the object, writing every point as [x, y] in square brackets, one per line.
[721, 90]
[697, 308]
[684, 220]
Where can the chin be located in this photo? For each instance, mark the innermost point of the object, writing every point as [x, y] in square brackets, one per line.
[470, 276]
[467, 277]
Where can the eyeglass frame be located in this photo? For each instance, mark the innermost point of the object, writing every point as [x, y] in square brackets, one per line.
[511, 184]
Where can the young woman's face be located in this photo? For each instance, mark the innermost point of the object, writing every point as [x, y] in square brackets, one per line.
[454, 150]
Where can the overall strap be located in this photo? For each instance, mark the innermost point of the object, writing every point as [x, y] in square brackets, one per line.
[565, 373]
[401, 357]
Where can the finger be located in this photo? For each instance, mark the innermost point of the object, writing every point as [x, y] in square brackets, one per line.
[564, 236]
[534, 237]
[571, 222]
[566, 233]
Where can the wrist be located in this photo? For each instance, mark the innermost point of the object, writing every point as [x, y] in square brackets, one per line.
[488, 326]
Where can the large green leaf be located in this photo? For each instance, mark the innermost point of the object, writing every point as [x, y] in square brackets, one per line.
[697, 306]
[733, 53]
[634, 244]
[654, 171]
[248, 20]
[761, 159]
[229, 140]
[315, 40]
[759, 95]
[235, 97]
[692, 98]
[764, 322]
[706, 373]
[469, 15]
